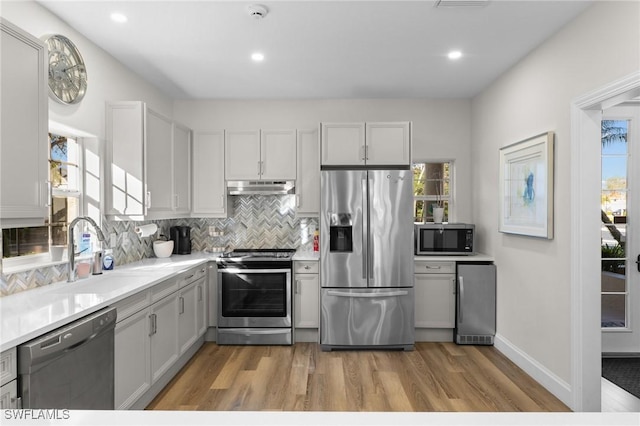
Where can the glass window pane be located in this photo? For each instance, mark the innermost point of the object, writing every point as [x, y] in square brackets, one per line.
[613, 310]
[64, 157]
[25, 241]
[614, 282]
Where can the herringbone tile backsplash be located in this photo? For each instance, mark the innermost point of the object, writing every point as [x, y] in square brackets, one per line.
[257, 221]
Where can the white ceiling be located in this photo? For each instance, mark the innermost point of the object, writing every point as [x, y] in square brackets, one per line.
[317, 49]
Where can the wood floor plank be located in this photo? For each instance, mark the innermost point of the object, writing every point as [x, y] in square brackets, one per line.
[433, 377]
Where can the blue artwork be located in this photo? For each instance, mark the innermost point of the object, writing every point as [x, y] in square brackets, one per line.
[529, 193]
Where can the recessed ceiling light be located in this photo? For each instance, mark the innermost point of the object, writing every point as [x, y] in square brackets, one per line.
[257, 57]
[118, 17]
[455, 54]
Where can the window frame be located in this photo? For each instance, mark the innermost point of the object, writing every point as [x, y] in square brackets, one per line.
[26, 262]
[448, 199]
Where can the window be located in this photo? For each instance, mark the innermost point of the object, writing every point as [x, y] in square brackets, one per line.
[432, 184]
[613, 231]
[33, 243]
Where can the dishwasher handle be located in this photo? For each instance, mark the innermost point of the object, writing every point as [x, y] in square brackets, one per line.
[50, 346]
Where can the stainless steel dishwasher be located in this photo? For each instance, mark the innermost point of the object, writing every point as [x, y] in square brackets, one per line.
[71, 367]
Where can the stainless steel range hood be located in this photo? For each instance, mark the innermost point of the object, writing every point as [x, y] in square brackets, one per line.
[245, 187]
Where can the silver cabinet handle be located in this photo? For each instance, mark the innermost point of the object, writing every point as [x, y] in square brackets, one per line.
[433, 267]
[181, 310]
[200, 293]
[307, 267]
[453, 281]
[148, 199]
[461, 281]
[297, 286]
[153, 324]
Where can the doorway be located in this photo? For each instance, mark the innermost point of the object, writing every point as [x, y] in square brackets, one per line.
[586, 237]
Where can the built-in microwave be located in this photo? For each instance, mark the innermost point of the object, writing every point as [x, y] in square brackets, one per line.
[444, 239]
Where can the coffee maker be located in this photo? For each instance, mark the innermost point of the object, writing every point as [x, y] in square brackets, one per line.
[181, 237]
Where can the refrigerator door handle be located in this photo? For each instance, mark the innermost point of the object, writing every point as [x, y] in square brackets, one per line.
[460, 297]
[368, 295]
[365, 228]
[370, 248]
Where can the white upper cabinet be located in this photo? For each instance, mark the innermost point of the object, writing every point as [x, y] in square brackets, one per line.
[260, 155]
[359, 144]
[343, 144]
[388, 143]
[209, 187]
[181, 169]
[24, 194]
[125, 192]
[147, 164]
[308, 175]
[278, 154]
[159, 148]
[242, 154]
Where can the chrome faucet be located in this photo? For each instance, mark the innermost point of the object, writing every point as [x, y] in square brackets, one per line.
[71, 248]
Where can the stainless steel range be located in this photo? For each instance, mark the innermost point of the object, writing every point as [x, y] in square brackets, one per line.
[254, 297]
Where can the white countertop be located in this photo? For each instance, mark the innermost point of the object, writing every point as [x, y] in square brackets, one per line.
[31, 313]
[478, 257]
[306, 255]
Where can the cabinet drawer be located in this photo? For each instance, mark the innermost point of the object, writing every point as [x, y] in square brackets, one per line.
[132, 304]
[305, 267]
[8, 366]
[192, 275]
[433, 267]
[162, 290]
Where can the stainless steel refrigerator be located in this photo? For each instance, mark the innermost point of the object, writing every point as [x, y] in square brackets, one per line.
[476, 304]
[366, 258]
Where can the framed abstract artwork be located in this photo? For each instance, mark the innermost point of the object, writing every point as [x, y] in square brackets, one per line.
[526, 187]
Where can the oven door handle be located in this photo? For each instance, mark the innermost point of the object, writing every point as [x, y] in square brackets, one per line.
[255, 331]
[251, 271]
[369, 295]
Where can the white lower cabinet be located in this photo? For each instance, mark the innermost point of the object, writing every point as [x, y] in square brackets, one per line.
[155, 328]
[132, 359]
[201, 306]
[435, 294]
[306, 295]
[164, 336]
[8, 375]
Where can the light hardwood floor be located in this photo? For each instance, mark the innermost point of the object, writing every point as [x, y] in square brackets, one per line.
[434, 377]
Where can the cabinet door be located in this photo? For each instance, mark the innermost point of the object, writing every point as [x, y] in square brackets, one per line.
[9, 395]
[126, 184]
[212, 296]
[278, 154]
[209, 188]
[388, 143]
[187, 331]
[23, 133]
[343, 144]
[242, 155]
[308, 175]
[435, 300]
[132, 359]
[201, 307]
[159, 163]
[181, 169]
[306, 301]
[164, 336]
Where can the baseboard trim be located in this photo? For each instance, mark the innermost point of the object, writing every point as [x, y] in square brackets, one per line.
[550, 381]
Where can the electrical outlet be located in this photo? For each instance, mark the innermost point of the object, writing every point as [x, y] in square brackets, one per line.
[113, 240]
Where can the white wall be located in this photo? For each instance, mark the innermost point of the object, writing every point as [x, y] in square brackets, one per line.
[441, 127]
[601, 45]
[108, 79]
